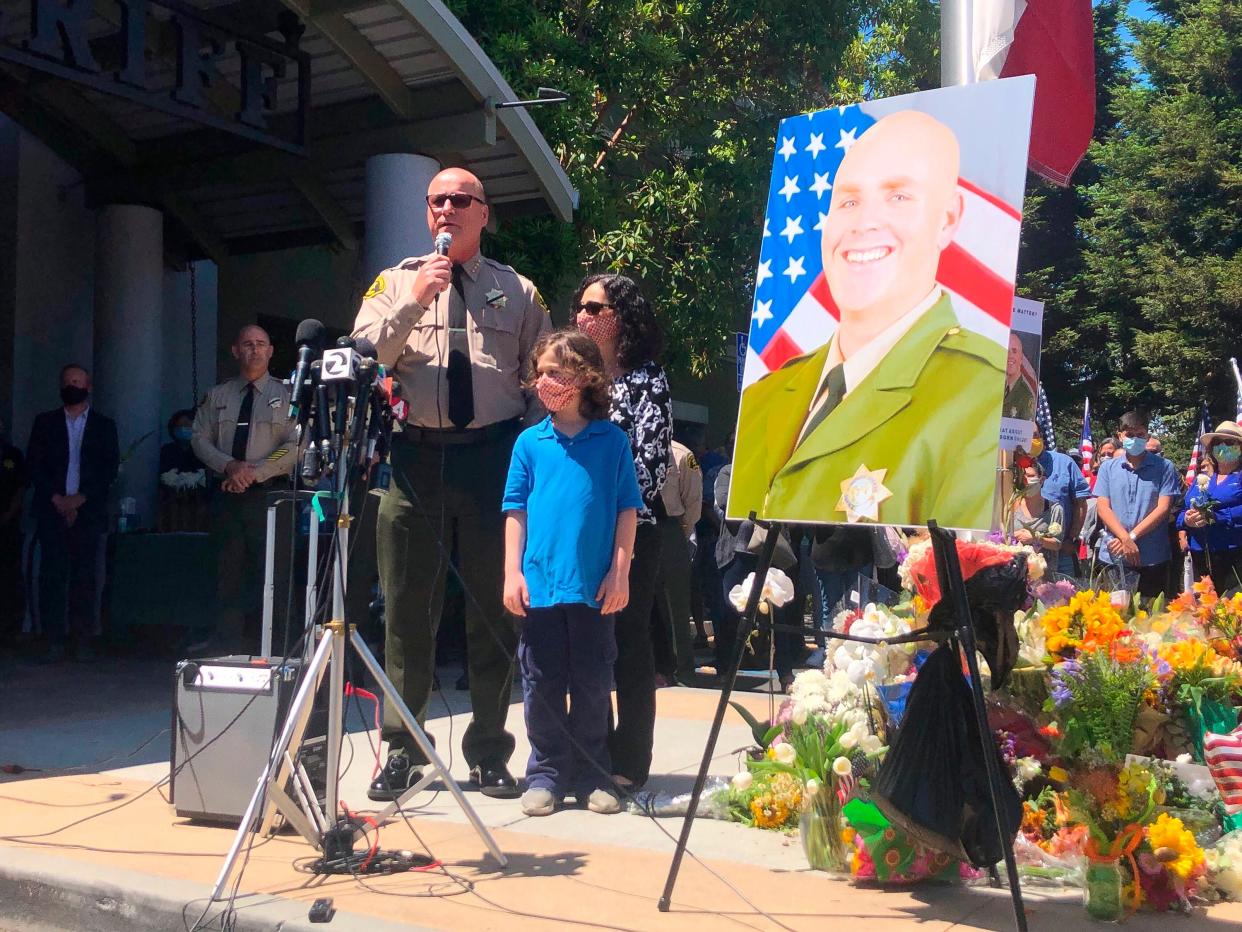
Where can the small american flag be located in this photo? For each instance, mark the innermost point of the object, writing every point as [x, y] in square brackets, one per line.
[794, 312]
[1043, 417]
[1086, 446]
[1196, 455]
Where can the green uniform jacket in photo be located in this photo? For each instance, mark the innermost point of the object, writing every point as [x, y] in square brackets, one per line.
[929, 414]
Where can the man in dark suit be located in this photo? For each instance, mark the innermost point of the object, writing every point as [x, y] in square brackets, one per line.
[72, 461]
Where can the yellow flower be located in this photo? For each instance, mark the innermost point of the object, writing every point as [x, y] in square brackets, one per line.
[1174, 846]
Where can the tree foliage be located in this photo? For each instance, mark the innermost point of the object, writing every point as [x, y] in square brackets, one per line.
[668, 135]
[1146, 296]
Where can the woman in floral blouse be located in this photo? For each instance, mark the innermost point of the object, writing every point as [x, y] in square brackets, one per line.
[613, 312]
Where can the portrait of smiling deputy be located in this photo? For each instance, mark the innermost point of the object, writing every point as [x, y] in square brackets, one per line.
[895, 419]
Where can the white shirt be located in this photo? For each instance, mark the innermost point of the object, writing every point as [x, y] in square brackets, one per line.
[76, 427]
[865, 359]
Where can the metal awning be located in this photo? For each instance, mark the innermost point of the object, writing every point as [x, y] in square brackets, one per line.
[384, 76]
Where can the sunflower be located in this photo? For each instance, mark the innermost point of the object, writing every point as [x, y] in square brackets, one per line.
[1175, 847]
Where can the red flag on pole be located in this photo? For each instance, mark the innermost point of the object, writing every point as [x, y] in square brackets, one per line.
[1053, 40]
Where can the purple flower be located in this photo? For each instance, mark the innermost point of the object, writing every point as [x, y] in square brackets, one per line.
[1053, 594]
[1062, 678]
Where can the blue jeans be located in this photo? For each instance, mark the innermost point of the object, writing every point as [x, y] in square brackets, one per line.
[567, 651]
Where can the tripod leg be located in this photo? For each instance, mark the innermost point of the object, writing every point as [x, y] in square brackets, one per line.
[411, 725]
[739, 648]
[304, 696]
[949, 570]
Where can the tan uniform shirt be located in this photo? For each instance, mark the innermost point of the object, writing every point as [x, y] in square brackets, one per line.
[505, 318]
[683, 488]
[271, 447]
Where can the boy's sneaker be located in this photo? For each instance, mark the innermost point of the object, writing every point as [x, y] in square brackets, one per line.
[538, 802]
[604, 802]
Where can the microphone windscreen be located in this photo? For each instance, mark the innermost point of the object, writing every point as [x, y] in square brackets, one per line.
[366, 348]
[347, 341]
[310, 333]
[443, 242]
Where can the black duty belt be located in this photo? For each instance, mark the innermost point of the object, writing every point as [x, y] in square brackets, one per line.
[453, 437]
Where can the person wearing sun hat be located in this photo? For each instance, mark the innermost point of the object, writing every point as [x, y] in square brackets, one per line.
[1212, 512]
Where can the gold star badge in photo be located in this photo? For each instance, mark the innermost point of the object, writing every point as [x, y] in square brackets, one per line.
[862, 493]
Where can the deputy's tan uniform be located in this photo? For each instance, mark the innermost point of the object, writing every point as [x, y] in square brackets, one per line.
[238, 519]
[683, 489]
[682, 496]
[271, 447]
[506, 317]
[448, 483]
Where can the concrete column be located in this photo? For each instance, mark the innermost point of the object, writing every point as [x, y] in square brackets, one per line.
[396, 210]
[129, 306]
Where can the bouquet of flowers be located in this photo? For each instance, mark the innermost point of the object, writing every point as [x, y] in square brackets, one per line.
[1087, 623]
[1097, 699]
[1220, 618]
[1202, 500]
[180, 481]
[874, 663]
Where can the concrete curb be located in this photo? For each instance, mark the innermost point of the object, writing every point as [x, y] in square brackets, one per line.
[43, 893]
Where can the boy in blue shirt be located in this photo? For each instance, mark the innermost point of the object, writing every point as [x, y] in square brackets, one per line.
[1134, 494]
[571, 509]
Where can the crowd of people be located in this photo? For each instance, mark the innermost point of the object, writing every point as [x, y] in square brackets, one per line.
[544, 473]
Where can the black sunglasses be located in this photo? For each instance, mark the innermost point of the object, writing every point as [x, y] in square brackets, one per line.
[594, 307]
[460, 201]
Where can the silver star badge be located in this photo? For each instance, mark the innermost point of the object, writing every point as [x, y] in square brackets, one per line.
[496, 298]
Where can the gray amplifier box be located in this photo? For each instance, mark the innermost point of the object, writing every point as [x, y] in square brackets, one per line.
[226, 714]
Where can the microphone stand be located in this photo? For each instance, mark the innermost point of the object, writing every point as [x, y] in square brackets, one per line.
[323, 827]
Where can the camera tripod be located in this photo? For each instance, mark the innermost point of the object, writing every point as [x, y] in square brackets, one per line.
[283, 770]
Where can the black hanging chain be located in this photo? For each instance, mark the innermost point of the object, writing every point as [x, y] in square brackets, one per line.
[193, 336]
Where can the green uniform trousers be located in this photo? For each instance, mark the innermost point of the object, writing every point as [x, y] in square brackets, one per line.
[438, 493]
[239, 537]
[672, 603]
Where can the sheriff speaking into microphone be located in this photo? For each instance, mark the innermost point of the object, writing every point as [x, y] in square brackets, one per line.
[458, 329]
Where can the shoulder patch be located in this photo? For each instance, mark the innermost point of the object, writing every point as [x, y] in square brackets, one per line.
[691, 463]
[539, 303]
[276, 454]
[377, 287]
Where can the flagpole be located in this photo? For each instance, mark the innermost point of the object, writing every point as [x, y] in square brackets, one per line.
[956, 66]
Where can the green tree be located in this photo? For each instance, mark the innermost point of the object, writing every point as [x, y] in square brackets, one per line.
[668, 135]
[1147, 304]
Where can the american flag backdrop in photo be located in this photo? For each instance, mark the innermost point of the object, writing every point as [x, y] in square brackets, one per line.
[793, 312]
[1086, 446]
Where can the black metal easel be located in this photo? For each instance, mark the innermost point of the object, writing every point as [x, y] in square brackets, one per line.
[952, 586]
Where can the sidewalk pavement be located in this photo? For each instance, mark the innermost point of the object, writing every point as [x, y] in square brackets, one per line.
[97, 848]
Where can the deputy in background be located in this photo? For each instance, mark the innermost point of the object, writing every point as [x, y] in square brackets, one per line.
[458, 330]
[682, 498]
[243, 436]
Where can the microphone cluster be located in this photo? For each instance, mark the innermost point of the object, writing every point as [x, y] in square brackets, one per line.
[344, 403]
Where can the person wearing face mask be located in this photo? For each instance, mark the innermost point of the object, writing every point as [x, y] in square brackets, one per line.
[72, 458]
[1134, 494]
[1064, 485]
[1215, 536]
[178, 455]
[1034, 520]
[181, 506]
[612, 311]
[571, 502]
[457, 330]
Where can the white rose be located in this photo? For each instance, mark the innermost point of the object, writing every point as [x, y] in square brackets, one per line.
[743, 780]
[842, 767]
[849, 740]
[1028, 769]
[872, 745]
[1202, 481]
[785, 754]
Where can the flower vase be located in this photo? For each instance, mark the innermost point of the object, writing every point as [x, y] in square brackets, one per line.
[820, 829]
[1102, 891]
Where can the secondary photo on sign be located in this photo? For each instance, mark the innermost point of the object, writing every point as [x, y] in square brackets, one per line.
[1022, 374]
[876, 361]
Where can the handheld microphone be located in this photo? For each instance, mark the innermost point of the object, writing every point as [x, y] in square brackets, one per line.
[309, 338]
[345, 378]
[311, 465]
[443, 242]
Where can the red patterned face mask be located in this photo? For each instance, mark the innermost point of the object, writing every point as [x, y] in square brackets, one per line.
[598, 327]
[557, 392]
